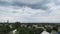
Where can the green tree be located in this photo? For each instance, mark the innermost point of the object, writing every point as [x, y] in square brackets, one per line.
[16, 25]
[24, 30]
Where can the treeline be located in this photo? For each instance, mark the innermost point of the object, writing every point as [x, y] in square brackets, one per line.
[29, 29]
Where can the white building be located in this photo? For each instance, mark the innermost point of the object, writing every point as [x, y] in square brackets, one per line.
[45, 32]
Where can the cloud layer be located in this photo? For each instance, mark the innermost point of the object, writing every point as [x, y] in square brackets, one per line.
[30, 10]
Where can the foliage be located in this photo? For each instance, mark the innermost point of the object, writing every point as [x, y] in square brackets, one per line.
[16, 25]
[24, 31]
[48, 29]
[39, 30]
[5, 29]
[55, 28]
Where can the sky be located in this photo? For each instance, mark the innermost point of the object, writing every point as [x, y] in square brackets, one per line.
[30, 11]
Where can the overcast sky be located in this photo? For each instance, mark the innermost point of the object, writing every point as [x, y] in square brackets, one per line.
[30, 10]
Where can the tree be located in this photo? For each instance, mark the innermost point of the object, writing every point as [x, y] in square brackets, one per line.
[16, 25]
[48, 29]
[5, 29]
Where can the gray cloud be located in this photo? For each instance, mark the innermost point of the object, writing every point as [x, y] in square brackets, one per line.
[5, 3]
[57, 2]
[38, 4]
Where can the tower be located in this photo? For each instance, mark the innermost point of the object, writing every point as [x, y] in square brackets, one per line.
[7, 21]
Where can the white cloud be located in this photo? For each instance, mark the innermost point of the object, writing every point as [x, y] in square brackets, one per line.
[5, 18]
[21, 13]
[27, 14]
